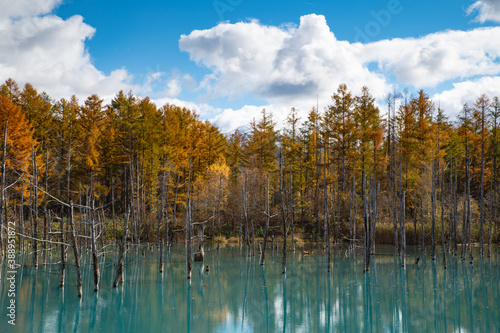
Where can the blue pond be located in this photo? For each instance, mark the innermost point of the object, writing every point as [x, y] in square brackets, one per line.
[238, 295]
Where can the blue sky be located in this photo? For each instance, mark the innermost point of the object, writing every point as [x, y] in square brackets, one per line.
[228, 59]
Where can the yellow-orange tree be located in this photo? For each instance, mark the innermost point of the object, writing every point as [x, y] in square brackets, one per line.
[339, 132]
[20, 140]
[370, 128]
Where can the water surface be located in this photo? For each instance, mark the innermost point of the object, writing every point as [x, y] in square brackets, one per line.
[238, 295]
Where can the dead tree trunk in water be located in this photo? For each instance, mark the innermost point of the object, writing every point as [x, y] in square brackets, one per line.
[353, 211]
[175, 207]
[403, 228]
[493, 213]
[450, 221]
[138, 207]
[21, 218]
[113, 212]
[160, 217]
[292, 208]
[45, 187]
[219, 199]
[63, 256]
[433, 207]
[188, 224]
[366, 224]
[481, 199]
[75, 251]
[263, 254]
[68, 199]
[93, 234]
[464, 225]
[2, 187]
[415, 218]
[334, 216]
[469, 220]
[422, 232]
[395, 212]
[35, 209]
[119, 266]
[494, 183]
[253, 236]
[327, 224]
[374, 211]
[134, 209]
[455, 211]
[283, 217]
[245, 214]
[442, 218]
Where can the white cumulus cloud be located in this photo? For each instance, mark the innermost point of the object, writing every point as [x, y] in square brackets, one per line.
[50, 52]
[278, 63]
[438, 57]
[293, 65]
[452, 100]
[487, 10]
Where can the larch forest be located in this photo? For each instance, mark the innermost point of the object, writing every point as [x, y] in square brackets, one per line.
[84, 176]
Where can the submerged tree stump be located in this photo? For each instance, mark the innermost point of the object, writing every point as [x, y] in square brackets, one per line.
[200, 254]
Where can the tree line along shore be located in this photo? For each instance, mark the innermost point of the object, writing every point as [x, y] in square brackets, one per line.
[84, 174]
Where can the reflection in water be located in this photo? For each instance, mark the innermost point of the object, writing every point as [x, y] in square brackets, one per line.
[284, 301]
[239, 295]
[188, 302]
[266, 299]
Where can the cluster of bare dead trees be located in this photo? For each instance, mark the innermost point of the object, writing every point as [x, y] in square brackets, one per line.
[65, 224]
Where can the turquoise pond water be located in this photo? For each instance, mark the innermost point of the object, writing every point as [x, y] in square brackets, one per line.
[238, 295]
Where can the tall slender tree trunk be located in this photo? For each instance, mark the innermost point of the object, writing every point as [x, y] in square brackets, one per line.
[492, 191]
[292, 209]
[353, 214]
[264, 245]
[494, 208]
[133, 215]
[464, 224]
[2, 186]
[327, 218]
[21, 220]
[403, 230]
[35, 209]
[415, 218]
[481, 199]
[113, 211]
[75, 251]
[45, 188]
[62, 274]
[245, 214]
[218, 204]
[442, 218]
[159, 239]
[188, 224]
[283, 217]
[373, 223]
[317, 206]
[455, 214]
[450, 221]
[119, 265]
[433, 208]
[395, 212]
[366, 223]
[175, 206]
[95, 261]
[138, 205]
[422, 234]
[469, 217]
[334, 216]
